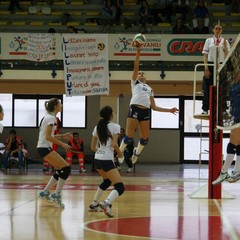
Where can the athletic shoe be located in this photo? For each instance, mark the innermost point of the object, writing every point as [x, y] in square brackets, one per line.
[222, 177]
[45, 196]
[82, 170]
[95, 208]
[229, 127]
[120, 160]
[106, 207]
[129, 170]
[234, 177]
[135, 156]
[57, 199]
[204, 112]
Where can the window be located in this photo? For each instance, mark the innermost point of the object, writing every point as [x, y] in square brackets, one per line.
[74, 111]
[6, 102]
[165, 120]
[28, 110]
[25, 112]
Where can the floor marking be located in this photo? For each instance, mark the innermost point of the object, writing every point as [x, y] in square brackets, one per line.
[231, 231]
[18, 206]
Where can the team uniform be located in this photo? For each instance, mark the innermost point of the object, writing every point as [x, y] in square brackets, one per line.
[78, 147]
[104, 157]
[209, 48]
[46, 164]
[44, 146]
[140, 102]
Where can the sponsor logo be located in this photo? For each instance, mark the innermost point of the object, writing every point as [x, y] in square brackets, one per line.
[185, 47]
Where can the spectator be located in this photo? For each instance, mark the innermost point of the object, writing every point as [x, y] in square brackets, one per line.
[200, 11]
[72, 29]
[180, 27]
[51, 30]
[118, 4]
[200, 28]
[14, 146]
[162, 8]
[144, 12]
[108, 15]
[235, 6]
[183, 8]
[13, 4]
[77, 149]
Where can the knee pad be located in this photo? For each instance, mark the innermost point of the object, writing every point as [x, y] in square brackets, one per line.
[105, 184]
[56, 176]
[231, 148]
[238, 150]
[64, 172]
[119, 187]
[128, 140]
[143, 141]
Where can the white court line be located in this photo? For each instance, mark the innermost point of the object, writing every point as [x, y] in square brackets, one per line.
[226, 222]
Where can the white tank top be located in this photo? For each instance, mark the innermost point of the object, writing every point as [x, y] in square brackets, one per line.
[106, 152]
[47, 120]
[141, 94]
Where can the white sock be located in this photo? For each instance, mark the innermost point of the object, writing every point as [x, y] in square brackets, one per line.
[139, 149]
[228, 162]
[60, 185]
[97, 195]
[112, 196]
[50, 184]
[237, 164]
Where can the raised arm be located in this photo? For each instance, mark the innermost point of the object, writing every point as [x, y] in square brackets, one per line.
[136, 64]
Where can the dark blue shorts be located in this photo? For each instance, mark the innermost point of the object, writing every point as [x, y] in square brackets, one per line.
[141, 114]
[43, 152]
[105, 165]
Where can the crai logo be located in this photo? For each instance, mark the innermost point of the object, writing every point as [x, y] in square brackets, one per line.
[185, 47]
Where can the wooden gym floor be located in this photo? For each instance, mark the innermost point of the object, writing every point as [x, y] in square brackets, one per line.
[158, 203]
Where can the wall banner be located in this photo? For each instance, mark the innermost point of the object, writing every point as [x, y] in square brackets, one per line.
[85, 59]
[39, 47]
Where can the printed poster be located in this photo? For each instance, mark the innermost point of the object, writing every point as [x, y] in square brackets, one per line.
[85, 60]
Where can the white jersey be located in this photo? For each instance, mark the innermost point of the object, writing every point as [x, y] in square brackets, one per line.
[49, 119]
[209, 48]
[141, 94]
[106, 152]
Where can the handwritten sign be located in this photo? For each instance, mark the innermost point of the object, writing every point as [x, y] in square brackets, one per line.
[39, 47]
[85, 64]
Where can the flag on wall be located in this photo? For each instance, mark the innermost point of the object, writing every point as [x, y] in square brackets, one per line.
[85, 59]
[39, 47]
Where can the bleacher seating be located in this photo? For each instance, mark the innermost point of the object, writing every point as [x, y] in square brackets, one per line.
[82, 14]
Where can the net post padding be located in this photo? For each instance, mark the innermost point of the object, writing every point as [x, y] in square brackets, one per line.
[215, 156]
[215, 148]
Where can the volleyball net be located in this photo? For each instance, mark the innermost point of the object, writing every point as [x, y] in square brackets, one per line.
[228, 90]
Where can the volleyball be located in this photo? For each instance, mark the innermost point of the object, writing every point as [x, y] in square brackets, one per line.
[139, 40]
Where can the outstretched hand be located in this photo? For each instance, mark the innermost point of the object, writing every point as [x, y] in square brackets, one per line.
[174, 110]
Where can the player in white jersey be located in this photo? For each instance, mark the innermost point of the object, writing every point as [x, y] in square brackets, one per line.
[2, 146]
[104, 142]
[44, 146]
[139, 112]
[1, 118]
[209, 53]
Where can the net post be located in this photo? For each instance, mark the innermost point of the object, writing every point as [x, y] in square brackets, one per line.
[215, 148]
